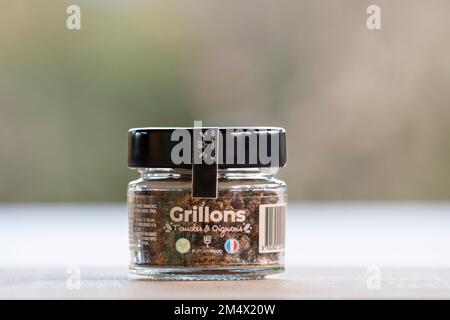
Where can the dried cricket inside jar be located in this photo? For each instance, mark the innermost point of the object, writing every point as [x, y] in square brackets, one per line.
[207, 205]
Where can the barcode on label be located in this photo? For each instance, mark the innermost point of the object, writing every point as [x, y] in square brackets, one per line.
[272, 218]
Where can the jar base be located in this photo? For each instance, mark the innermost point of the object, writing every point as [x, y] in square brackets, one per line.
[209, 274]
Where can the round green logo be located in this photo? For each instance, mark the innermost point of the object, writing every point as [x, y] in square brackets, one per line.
[183, 245]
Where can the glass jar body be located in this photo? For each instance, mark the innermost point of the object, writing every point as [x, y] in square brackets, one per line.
[238, 235]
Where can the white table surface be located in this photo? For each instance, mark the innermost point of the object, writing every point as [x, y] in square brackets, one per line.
[332, 252]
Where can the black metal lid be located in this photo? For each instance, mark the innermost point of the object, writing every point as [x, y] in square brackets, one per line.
[153, 147]
[205, 150]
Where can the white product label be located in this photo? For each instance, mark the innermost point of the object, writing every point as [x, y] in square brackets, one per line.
[272, 218]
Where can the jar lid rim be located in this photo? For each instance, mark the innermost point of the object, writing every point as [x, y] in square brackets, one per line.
[151, 147]
[280, 129]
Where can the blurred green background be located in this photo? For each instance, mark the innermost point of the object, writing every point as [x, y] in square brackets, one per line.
[367, 112]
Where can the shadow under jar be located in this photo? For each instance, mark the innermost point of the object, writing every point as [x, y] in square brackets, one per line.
[238, 233]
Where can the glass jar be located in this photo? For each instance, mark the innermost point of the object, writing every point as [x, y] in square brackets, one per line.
[237, 234]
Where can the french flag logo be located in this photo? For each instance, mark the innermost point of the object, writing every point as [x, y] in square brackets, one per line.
[232, 245]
